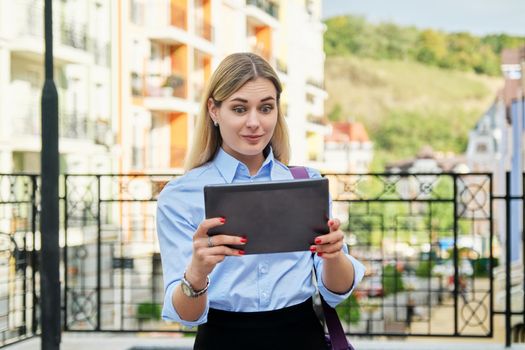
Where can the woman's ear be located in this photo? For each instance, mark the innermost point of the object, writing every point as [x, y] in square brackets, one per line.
[212, 109]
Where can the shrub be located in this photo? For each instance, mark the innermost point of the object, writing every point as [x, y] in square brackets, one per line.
[392, 281]
[149, 311]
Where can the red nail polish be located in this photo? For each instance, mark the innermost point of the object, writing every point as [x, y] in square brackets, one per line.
[313, 249]
[242, 252]
[319, 254]
[222, 220]
[244, 240]
[318, 241]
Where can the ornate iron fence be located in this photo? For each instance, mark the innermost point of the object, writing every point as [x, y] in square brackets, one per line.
[19, 286]
[428, 241]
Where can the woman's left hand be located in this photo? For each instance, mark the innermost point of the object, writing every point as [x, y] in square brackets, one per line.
[329, 246]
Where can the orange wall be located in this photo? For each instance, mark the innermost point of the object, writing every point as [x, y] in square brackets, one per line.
[179, 13]
[179, 66]
[178, 138]
[264, 36]
[206, 4]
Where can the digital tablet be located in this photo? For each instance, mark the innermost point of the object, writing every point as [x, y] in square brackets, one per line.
[277, 216]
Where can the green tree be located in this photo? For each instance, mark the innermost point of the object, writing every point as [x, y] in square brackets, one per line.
[432, 47]
[392, 281]
[336, 114]
[348, 310]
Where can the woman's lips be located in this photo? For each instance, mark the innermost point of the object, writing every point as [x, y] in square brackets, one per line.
[252, 138]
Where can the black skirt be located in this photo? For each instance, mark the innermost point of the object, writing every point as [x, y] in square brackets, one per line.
[295, 327]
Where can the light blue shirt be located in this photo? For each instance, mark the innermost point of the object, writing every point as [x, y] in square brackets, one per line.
[260, 282]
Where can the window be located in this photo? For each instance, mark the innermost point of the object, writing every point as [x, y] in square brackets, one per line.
[481, 148]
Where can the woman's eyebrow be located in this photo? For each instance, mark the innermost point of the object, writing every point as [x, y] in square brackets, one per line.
[238, 99]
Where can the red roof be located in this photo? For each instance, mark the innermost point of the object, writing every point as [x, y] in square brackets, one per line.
[347, 132]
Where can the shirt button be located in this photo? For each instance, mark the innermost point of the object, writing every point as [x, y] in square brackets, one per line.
[264, 295]
[263, 268]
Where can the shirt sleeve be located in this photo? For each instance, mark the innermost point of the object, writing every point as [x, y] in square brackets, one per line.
[175, 234]
[333, 299]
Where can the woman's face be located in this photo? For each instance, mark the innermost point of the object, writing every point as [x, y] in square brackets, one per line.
[247, 119]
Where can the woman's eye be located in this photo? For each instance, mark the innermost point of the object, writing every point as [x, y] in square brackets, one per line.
[239, 109]
[266, 108]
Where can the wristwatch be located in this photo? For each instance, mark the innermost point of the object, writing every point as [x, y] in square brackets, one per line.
[188, 289]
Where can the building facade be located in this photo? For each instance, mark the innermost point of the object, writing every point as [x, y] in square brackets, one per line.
[348, 149]
[166, 51]
[82, 76]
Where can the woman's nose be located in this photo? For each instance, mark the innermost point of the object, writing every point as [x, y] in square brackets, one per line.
[253, 119]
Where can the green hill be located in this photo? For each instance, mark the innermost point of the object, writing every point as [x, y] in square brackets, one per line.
[405, 104]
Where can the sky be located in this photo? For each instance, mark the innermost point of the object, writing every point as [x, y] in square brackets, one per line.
[478, 17]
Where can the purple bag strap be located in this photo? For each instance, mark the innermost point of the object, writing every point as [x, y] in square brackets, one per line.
[335, 329]
[299, 172]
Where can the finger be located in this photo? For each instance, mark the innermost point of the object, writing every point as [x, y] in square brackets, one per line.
[208, 224]
[228, 240]
[222, 250]
[331, 237]
[329, 248]
[334, 224]
[329, 255]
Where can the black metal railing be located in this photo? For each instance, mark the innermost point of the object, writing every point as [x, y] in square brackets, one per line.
[422, 238]
[19, 288]
[267, 6]
[80, 126]
[428, 242]
[101, 52]
[73, 35]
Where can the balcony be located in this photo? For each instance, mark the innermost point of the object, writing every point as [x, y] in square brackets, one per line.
[268, 7]
[70, 38]
[162, 93]
[79, 126]
[101, 52]
[204, 29]
[156, 85]
[73, 35]
[27, 124]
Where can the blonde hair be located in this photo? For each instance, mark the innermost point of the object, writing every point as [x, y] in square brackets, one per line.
[232, 73]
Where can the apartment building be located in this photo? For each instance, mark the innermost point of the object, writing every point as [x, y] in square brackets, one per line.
[82, 76]
[165, 51]
[130, 75]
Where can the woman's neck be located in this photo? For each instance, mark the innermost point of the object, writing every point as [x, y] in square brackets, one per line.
[253, 163]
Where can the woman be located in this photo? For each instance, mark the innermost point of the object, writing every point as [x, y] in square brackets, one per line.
[253, 301]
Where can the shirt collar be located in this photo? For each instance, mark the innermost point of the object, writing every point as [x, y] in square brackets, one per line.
[228, 165]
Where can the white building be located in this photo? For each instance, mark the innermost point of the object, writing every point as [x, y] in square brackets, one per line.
[488, 146]
[348, 148]
[82, 77]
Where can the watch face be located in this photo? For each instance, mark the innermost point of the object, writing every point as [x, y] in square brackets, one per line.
[186, 289]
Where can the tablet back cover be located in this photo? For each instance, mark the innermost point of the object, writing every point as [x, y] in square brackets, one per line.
[279, 216]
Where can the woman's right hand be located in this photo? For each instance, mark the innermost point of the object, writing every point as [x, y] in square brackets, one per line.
[205, 258]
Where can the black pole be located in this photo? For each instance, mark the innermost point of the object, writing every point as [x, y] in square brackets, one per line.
[508, 310]
[49, 262]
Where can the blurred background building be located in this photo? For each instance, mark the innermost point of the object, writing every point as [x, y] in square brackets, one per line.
[82, 74]
[131, 73]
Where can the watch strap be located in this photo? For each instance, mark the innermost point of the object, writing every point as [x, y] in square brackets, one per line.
[195, 293]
